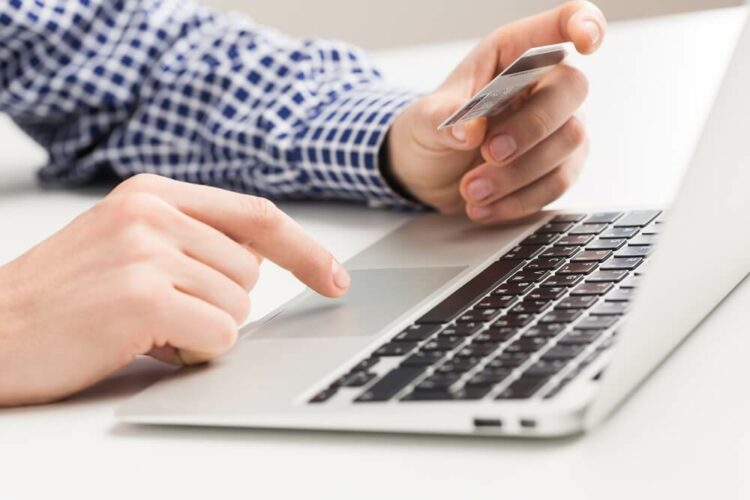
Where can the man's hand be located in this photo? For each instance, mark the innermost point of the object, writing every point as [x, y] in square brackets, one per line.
[157, 267]
[512, 165]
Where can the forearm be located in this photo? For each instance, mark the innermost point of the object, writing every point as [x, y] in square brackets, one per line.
[172, 88]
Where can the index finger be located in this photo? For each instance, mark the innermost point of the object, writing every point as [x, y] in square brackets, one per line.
[579, 22]
[255, 222]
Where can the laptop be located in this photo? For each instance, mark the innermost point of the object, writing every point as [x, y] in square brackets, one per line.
[536, 330]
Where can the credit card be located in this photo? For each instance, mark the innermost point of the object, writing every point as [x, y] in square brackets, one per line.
[523, 73]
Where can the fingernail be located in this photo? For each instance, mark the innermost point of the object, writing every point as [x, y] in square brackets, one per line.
[479, 189]
[502, 146]
[341, 278]
[592, 30]
[480, 212]
[459, 132]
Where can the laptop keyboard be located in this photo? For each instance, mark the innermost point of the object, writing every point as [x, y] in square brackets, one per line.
[525, 326]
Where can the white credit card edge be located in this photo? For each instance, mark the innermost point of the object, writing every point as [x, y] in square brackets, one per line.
[564, 47]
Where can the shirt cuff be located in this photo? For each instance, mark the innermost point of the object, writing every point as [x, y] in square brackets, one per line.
[340, 150]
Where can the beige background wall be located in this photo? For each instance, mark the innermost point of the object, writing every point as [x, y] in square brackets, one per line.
[387, 23]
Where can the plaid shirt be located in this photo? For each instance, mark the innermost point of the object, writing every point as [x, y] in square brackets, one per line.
[172, 88]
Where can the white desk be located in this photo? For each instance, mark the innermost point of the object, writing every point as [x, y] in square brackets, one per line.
[683, 435]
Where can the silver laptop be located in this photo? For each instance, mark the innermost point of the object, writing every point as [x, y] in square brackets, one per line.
[536, 330]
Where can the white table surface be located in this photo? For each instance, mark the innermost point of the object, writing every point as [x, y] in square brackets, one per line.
[683, 435]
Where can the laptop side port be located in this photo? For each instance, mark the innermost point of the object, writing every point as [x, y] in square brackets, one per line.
[488, 423]
[527, 423]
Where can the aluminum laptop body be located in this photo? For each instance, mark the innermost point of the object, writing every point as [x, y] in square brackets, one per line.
[311, 363]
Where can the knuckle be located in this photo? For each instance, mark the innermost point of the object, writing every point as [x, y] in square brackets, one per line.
[140, 288]
[135, 207]
[139, 183]
[575, 132]
[263, 212]
[139, 244]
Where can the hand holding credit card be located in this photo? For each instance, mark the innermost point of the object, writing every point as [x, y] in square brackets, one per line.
[522, 74]
[500, 138]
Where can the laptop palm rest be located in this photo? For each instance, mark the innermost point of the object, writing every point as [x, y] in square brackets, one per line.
[376, 298]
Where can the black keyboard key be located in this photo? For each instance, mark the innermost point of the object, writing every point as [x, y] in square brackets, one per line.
[423, 359]
[523, 253]
[616, 233]
[563, 280]
[588, 229]
[596, 323]
[562, 251]
[580, 337]
[495, 335]
[479, 315]
[488, 377]
[561, 316]
[477, 350]
[454, 305]
[531, 306]
[625, 263]
[437, 381]
[529, 276]
[569, 218]
[523, 388]
[390, 385]
[418, 332]
[591, 289]
[395, 349]
[462, 329]
[554, 228]
[603, 218]
[497, 302]
[472, 393]
[509, 360]
[562, 352]
[544, 368]
[638, 218]
[629, 251]
[365, 364]
[544, 330]
[539, 239]
[442, 344]
[527, 344]
[547, 293]
[606, 244]
[517, 288]
[356, 379]
[324, 395]
[592, 256]
[583, 302]
[513, 320]
[606, 276]
[546, 264]
[610, 309]
[424, 395]
[458, 365]
[577, 240]
[578, 268]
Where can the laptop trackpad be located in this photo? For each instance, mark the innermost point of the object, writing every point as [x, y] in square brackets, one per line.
[375, 299]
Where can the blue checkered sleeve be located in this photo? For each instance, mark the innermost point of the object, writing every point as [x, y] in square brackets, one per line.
[172, 88]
